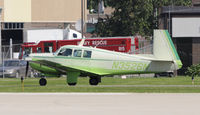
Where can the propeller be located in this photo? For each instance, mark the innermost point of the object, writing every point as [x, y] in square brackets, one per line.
[27, 68]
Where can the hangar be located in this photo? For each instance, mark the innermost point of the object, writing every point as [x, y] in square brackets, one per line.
[20, 15]
[183, 24]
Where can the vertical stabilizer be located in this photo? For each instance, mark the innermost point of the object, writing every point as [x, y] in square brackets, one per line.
[163, 47]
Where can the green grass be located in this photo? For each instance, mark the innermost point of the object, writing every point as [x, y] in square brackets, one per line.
[136, 84]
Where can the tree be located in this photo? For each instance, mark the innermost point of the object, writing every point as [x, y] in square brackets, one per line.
[93, 4]
[132, 16]
[193, 70]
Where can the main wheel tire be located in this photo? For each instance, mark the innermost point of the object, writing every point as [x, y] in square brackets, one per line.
[156, 75]
[94, 81]
[171, 74]
[43, 82]
[71, 84]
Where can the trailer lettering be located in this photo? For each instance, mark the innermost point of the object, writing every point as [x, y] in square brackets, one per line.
[86, 43]
[121, 48]
[103, 42]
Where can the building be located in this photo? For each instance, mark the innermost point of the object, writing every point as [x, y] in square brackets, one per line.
[196, 2]
[183, 24]
[20, 15]
[92, 18]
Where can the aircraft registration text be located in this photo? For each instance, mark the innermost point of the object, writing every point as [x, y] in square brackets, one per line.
[136, 66]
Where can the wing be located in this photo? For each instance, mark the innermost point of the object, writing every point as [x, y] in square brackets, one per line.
[63, 68]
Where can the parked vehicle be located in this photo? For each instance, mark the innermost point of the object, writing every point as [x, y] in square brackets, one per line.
[36, 35]
[13, 68]
[118, 44]
[167, 74]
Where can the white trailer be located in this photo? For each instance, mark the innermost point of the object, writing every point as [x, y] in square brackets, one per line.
[51, 34]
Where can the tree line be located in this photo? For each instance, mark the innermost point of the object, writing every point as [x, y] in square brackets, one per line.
[131, 17]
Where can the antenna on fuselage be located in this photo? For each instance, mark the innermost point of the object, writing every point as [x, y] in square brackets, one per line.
[82, 42]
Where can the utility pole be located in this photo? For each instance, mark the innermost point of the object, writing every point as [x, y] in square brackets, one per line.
[0, 39]
[170, 9]
[82, 17]
[169, 26]
[1, 56]
[11, 47]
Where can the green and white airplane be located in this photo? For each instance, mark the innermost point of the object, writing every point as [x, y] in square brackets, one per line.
[75, 61]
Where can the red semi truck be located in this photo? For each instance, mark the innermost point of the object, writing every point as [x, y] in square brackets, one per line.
[119, 44]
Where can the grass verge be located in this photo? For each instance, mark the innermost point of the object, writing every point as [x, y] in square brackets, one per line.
[137, 84]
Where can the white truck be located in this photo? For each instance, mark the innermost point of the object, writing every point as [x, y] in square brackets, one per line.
[51, 34]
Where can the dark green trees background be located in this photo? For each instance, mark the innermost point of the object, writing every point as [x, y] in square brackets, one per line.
[132, 16]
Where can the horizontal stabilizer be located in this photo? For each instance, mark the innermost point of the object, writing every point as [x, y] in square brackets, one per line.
[163, 48]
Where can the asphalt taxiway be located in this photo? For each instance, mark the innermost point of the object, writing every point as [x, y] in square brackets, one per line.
[99, 104]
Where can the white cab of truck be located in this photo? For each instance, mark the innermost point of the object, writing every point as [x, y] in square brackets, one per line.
[37, 35]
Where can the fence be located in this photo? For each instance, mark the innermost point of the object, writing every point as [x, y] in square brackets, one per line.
[8, 53]
[145, 47]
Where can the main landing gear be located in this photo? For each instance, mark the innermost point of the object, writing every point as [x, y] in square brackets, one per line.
[94, 80]
[71, 84]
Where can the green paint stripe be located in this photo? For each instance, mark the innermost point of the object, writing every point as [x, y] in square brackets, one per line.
[169, 43]
[172, 47]
[79, 58]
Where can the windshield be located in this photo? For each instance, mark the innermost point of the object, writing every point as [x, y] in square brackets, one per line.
[27, 51]
[56, 52]
[11, 63]
[20, 53]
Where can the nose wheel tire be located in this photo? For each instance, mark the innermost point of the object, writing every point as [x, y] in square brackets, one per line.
[43, 82]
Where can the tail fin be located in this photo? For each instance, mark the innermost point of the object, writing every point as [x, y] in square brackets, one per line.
[163, 47]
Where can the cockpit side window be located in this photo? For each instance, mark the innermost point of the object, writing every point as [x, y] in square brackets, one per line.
[77, 53]
[68, 52]
[65, 52]
[87, 54]
[61, 51]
